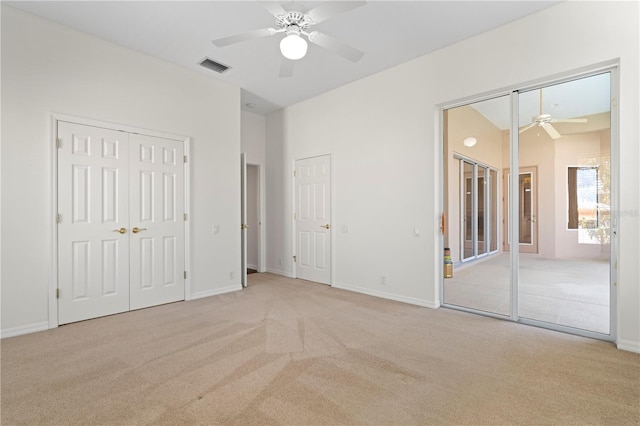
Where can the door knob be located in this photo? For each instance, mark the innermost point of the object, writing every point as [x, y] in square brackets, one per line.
[327, 226]
[121, 230]
[136, 230]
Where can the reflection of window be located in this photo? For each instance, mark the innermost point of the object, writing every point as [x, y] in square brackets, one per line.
[583, 197]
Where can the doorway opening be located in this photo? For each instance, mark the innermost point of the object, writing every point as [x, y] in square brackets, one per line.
[253, 218]
[252, 208]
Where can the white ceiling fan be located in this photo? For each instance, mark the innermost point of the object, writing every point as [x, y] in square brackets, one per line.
[297, 24]
[545, 120]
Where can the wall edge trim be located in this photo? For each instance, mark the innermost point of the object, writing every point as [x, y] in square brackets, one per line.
[216, 291]
[24, 329]
[389, 296]
[628, 345]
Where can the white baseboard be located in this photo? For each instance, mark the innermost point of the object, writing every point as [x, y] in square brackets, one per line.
[25, 329]
[216, 291]
[390, 296]
[628, 345]
[279, 272]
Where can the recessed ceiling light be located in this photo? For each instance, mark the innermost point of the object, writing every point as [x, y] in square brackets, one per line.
[250, 105]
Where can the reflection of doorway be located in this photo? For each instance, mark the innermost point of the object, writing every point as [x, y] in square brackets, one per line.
[527, 210]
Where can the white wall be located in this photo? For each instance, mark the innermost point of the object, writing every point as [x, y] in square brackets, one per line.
[278, 208]
[47, 68]
[253, 135]
[383, 134]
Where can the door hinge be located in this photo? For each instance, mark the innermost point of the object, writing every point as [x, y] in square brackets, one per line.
[295, 216]
[185, 158]
[185, 275]
[57, 293]
[295, 258]
[294, 173]
[58, 143]
[58, 218]
[184, 216]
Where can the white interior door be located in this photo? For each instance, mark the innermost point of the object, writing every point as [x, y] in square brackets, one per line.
[157, 220]
[313, 219]
[121, 221]
[93, 229]
[243, 219]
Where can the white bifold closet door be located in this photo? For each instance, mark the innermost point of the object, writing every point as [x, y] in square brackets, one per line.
[121, 221]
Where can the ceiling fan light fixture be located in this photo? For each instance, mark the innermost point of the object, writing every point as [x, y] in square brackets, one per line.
[293, 46]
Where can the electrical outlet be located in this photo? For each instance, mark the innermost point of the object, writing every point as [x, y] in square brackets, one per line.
[280, 261]
[215, 229]
[232, 275]
[383, 280]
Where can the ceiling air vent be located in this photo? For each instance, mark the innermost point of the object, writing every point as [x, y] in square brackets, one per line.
[213, 65]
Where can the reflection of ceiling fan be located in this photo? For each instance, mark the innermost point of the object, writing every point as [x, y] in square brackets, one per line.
[296, 24]
[545, 120]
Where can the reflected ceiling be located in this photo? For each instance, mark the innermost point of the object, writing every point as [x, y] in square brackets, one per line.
[577, 98]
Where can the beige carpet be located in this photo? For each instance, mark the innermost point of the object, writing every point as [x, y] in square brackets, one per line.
[291, 352]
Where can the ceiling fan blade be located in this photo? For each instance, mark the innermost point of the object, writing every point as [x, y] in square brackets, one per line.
[553, 133]
[225, 41]
[273, 7]
[335, 46]
[286, 68]
[527, 127]
[331, 9]
[569, 120]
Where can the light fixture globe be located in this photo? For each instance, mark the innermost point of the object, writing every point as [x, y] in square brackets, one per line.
[293, 46]
[470, 141]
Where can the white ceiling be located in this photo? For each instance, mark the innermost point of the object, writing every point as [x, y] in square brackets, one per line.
[388, 32]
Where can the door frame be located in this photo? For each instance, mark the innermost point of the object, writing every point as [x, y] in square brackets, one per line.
[54, 118]
[294, 198]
